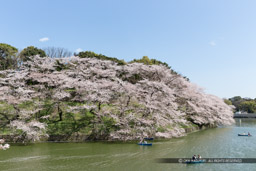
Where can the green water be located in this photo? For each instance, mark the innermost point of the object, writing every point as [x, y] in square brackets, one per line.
[219, 142]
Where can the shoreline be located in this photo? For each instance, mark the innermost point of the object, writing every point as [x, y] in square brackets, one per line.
[81, 138]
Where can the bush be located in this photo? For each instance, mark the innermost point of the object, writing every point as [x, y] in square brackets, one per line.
[145, 60]
[31, 51]
[8, 59]
[90, 54]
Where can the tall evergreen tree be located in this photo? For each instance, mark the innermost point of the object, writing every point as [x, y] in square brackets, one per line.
[8, 59]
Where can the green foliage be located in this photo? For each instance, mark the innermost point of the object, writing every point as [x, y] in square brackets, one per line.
[90, 54]
[248, 106]
[236, 101]
[145, 60]
[88, 117]
[105, 127]
[47, 108]
[109, 122]
[2, 75]
[243, 104]
[6, 108]
[7, 112]
[6, 131]
[67, 126]
[228, 102]
[236, 98]
[31, 51]
[60, 66]
[7, 50]
[31, 82]
[160, 129]
[184, 125]
[72, 103]
[133, 79]
[132, 123]
[190, 125]
[8, 59]
[70, 90]
[26, 105]
[81, 122]
[60, 128]
[182, 108]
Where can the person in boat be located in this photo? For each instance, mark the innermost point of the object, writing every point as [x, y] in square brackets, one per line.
[249, 134]
[141, 140]
[199, 157]
[194, 157]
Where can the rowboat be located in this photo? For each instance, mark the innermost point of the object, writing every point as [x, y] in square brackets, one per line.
[145, 144]
[195, 161]
[248, 135]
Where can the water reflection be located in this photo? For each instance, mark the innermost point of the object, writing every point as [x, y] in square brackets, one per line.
[245, 122]
[217, 142]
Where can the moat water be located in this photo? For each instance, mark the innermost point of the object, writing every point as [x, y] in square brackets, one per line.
[221, 142]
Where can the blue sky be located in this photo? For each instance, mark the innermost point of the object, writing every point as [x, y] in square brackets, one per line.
[212, 42]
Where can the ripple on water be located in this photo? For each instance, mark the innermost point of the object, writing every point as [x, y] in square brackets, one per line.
[79, 157]
[22, 159]
[219, 142]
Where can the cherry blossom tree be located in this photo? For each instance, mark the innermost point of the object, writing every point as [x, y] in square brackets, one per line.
[110, 101]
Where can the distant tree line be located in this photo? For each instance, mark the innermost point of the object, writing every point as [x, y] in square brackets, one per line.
[242, 104]
[11, 58]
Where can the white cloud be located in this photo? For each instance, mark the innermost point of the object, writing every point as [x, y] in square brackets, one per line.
[79, 50]
[44, 39]
[212, 43]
